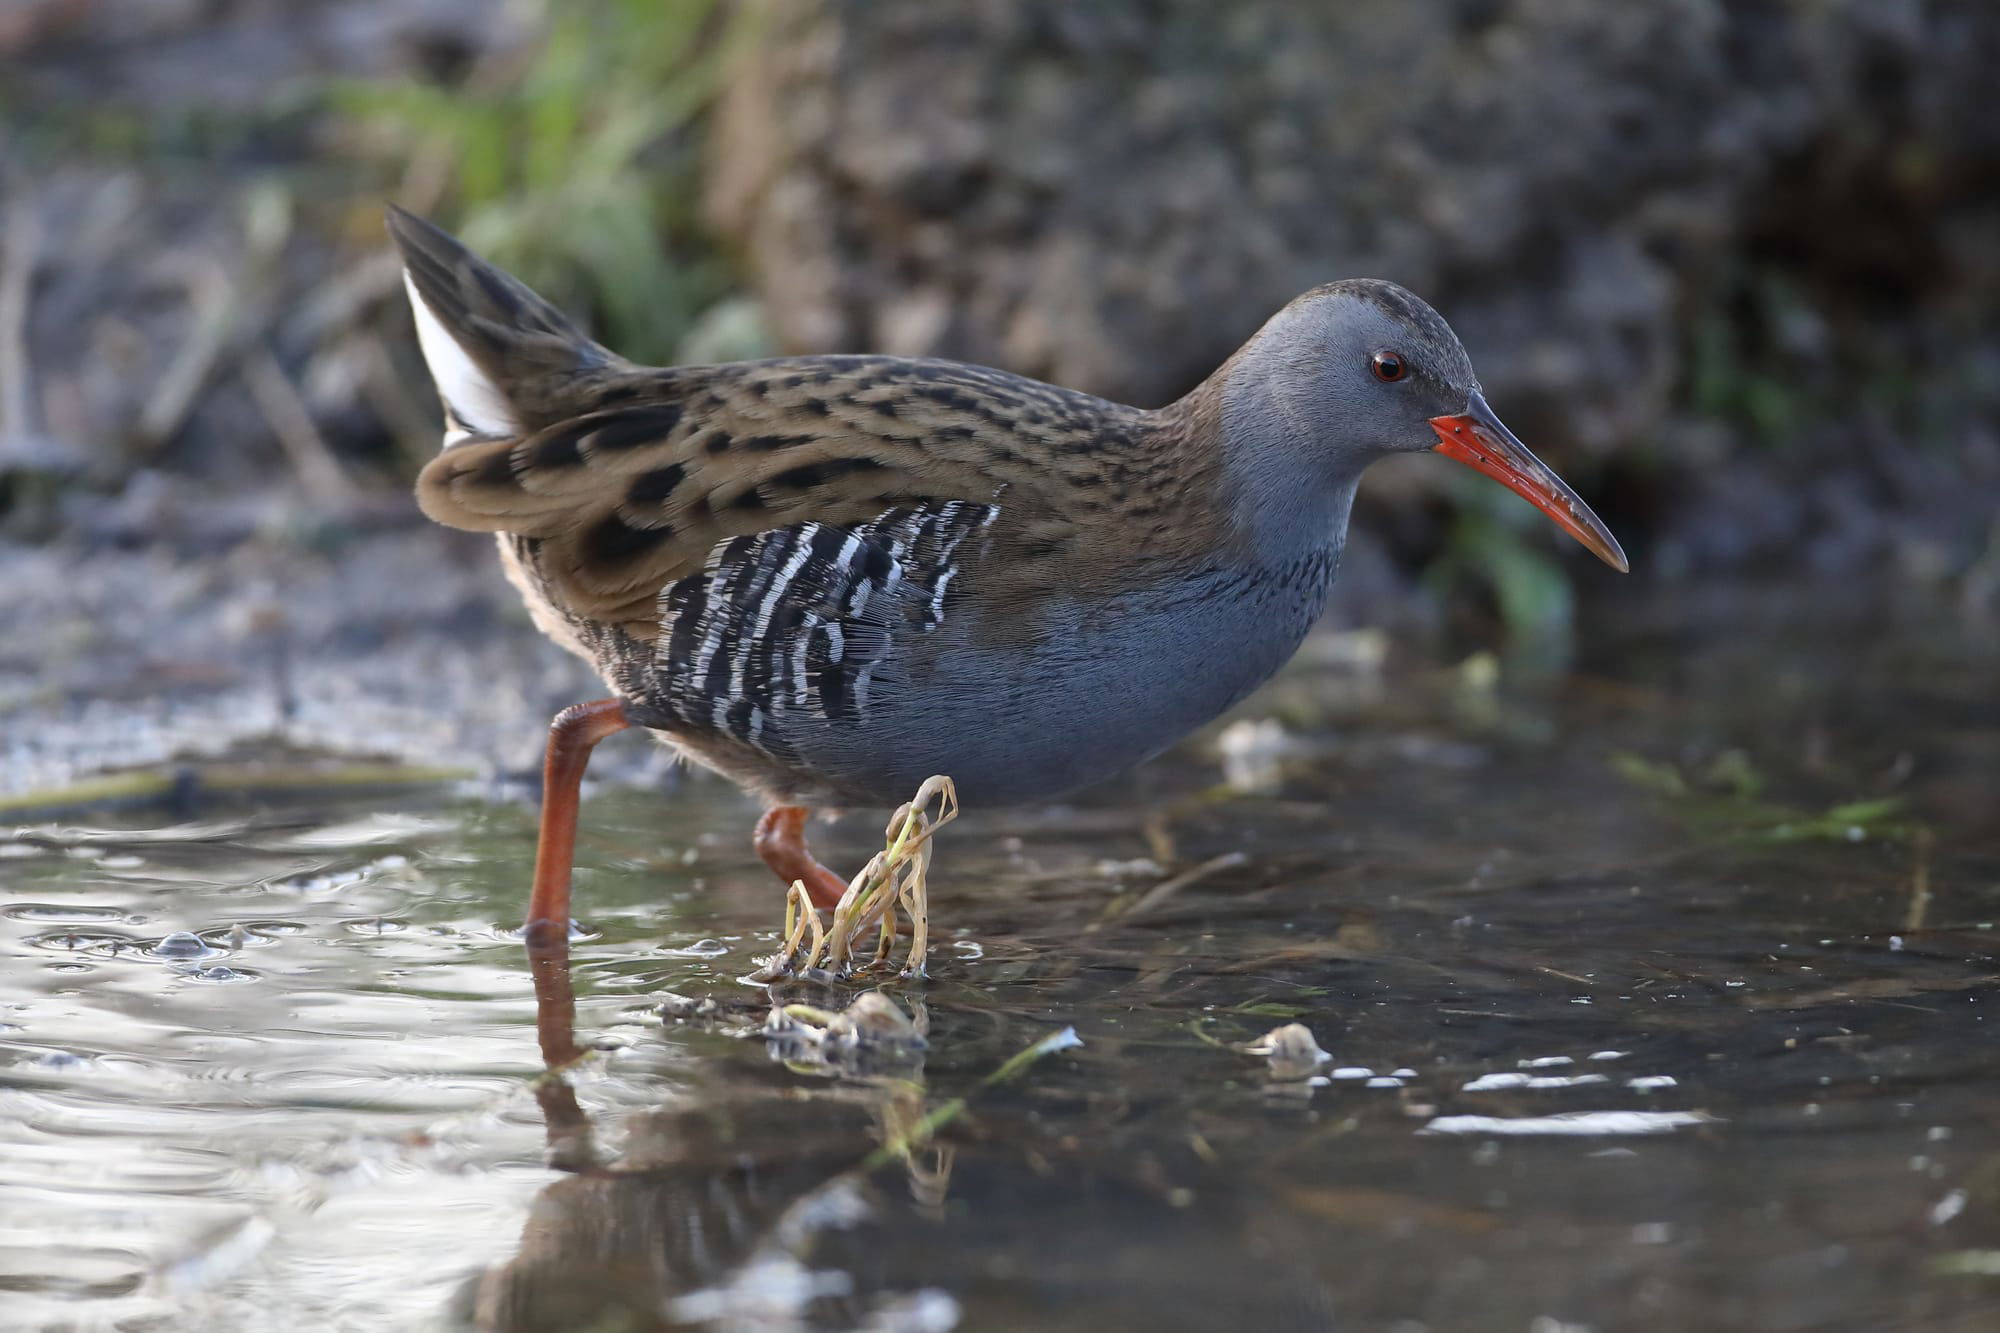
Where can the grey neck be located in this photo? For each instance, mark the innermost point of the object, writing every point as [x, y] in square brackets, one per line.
[1292, 484]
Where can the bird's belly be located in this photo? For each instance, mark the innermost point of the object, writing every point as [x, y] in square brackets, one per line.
[1083, 699]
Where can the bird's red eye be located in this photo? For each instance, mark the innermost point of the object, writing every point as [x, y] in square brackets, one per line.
[1389, 367]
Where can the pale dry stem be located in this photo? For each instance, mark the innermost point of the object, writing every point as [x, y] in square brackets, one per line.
[895, 877]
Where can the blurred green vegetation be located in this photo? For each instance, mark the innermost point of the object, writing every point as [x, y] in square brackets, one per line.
[164, 140]
[1725, 797]
[1501, 548]
[577, 168]
[1742, 362]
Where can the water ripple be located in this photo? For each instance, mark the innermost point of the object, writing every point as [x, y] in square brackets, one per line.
[62, 912]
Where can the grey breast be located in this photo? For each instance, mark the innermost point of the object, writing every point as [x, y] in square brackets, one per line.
[854, 660]
[1094, 690]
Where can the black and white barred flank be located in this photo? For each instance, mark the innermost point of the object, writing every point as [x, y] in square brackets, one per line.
[796, 620]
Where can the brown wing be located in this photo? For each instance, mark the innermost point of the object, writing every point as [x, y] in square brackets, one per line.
[628, 477]
[630, 497]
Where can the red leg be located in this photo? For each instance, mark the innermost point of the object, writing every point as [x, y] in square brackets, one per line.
[569, 1132]
[781, 842]
[555, 998]
[572, 736]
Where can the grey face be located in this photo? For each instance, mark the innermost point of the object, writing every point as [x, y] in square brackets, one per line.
[1389, 365]
[1343, 375]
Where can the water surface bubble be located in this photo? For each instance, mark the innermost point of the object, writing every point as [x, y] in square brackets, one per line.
[182, 945]
[218, 975]
[699, 949]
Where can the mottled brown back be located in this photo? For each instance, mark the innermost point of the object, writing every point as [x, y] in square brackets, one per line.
[628, 477]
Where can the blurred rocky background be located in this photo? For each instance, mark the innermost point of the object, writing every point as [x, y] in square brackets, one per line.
[1733, 268]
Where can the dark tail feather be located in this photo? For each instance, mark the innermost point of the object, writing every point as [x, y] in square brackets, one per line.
[506, 362]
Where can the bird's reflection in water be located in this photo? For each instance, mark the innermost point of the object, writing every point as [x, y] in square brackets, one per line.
[834, 1206]
[748, 1211]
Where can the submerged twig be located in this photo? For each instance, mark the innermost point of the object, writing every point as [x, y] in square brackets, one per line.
[874, 1043]
[902, 1144]
[1151, 899]
[1920, 882]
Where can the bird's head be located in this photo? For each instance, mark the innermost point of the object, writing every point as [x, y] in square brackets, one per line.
[1356, 370]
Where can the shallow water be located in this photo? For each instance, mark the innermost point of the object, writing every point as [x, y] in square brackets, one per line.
[1657, 997]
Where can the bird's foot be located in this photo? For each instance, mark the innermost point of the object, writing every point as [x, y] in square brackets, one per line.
[781, 843]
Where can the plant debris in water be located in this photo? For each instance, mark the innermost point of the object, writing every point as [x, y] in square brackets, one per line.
[1292, 1050]
[894, 877]
[871, 1035]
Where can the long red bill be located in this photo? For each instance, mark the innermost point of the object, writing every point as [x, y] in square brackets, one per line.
[1477, 439]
